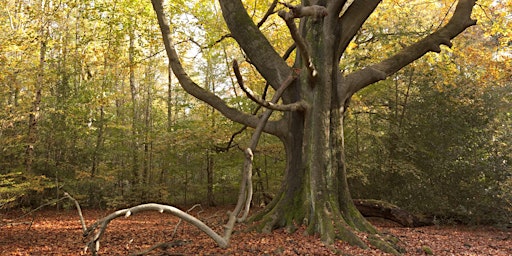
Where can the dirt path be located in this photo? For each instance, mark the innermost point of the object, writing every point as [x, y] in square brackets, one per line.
[59, 233]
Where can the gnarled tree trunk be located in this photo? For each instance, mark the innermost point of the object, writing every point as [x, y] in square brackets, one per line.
[315, 190]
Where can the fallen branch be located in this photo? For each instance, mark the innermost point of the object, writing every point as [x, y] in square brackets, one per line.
[382, 209]
[77, 205]
[102, 224]
[162, 246]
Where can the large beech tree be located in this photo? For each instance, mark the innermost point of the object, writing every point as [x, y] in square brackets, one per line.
[315, 97]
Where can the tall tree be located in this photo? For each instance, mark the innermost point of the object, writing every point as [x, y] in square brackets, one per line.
[34, 113]
[316, 96]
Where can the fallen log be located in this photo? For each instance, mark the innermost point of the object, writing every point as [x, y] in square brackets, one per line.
[385, 210]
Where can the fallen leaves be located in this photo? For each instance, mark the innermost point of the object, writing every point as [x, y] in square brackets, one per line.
[59, 233]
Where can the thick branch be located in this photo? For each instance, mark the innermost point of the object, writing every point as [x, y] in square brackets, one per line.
[103, 223]
[191, 87]
[460, 20]
[352, 20]
[257, 48]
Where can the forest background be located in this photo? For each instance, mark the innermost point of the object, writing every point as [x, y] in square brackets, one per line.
[89, 106]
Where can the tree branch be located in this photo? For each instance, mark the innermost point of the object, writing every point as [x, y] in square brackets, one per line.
[300, 11]
[460, 20]
[268, 13]
[247, 174]
[192, 88]
[352, 20]
[257, 48]
[299, 41]
[270, 105]
[93, 245]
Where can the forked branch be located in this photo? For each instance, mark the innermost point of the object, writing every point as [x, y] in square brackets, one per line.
[269, 105]
[297, 12]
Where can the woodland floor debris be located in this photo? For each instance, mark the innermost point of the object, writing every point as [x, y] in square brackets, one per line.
[59, 233]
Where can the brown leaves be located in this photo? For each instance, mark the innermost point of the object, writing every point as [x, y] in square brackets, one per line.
[59, 233]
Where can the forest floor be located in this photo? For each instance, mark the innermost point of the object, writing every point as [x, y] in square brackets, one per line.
[52, 232]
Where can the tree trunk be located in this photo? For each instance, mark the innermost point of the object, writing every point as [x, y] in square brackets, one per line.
[135, 113]
[169, 99]
[210, 200]
[315, 190]
[34, 113]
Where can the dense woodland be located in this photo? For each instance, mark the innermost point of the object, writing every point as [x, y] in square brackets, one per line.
[89, 106]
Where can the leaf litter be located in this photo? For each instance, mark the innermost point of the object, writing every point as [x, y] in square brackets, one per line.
[51, 232]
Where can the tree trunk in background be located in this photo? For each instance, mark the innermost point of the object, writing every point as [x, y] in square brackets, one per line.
[169, 99]
[99, 142]
[135, 112]
[149, 80]
[34, 112]
[210, 199]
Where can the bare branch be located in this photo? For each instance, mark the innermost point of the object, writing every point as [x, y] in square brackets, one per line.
[247, 174]
[270, 105]
[77, 205]
[460, 20]
[255, 45]
[219, 40]
[103, 223]
[299, 41]
[192, 88]
[268, 13]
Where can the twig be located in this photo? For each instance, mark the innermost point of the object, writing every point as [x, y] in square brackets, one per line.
[163, 246]
[268, 13]
[179, 222]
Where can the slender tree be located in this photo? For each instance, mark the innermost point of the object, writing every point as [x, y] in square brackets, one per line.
[36, 103]
[316, 96]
